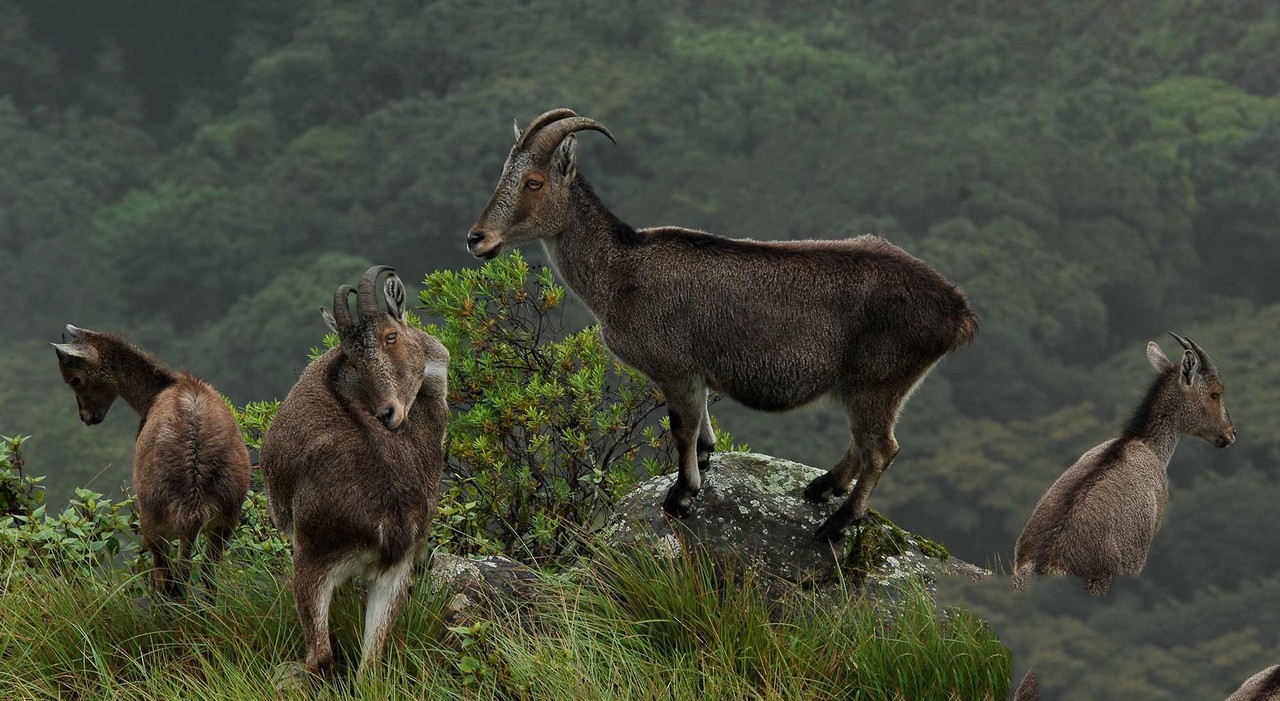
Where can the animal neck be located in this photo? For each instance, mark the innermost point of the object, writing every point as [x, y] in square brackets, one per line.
[583, 253]
[139, 376]
[1155, 421]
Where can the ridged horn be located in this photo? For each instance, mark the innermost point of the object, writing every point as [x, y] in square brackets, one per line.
[1205, 362]
[541, 121]
[366, 292]
[550, 136]
[342, 309]
[1181, 341]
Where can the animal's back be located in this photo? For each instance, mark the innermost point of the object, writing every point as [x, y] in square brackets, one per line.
[1263, 686]
[1099, 516]
[191, 464]
[825, 298]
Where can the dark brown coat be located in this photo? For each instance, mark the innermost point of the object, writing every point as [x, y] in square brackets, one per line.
[353, 463]
[775, 325]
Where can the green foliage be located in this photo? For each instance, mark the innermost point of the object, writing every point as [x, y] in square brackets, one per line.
[89, 532]
[626, 626]
[548, 431]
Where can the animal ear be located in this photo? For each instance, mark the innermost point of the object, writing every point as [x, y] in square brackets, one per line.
[1190, 368]
[68, 352]
[515, 124]
[1157, 358]
[567, 157]
[329, 321]
[393, 290]
[76, 333]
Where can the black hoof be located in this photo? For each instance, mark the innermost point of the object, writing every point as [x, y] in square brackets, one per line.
[821, 489]
[830, 532]
[677, 502]
[835, 527]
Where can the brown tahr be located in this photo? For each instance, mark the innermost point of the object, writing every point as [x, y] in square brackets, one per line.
[190, 465]
[353, 462]
[1098, 519]
[774, 325]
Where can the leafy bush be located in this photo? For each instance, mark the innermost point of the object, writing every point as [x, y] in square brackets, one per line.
[90, 531]
[548, 431]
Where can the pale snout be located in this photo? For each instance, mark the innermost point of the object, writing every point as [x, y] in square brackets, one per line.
[1226, 438]
[391, 415]
[91, 418]
[482, 244]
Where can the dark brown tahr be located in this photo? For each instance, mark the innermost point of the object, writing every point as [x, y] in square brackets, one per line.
[190, 465]
[1098, 519]
[353, 460]
[775, 325]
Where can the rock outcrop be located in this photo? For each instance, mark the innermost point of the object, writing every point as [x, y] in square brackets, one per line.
[751, 509]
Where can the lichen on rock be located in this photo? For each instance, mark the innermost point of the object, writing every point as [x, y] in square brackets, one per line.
[751, 510]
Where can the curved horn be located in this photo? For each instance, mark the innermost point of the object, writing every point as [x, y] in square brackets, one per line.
[550, 137]
[1205, 361]
[541, 121]
[342, 309]
[1181, 341]
[366, 294]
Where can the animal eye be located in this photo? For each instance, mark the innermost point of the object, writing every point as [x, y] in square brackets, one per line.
[534, 184]
[391, 338]
[1216, 395]
[76, 382]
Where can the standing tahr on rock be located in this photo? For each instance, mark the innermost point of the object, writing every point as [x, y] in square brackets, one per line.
[775, 325]
[1098, 519]
[353, 462]
[190, 464]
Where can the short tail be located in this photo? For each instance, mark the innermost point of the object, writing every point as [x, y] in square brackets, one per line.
[967, 329]
[1029, 689]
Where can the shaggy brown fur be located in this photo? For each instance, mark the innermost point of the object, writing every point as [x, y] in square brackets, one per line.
[775, 325]
[1263, 686]
[1098, 519]
[190, 466]
[1029, 689]
[353, 462]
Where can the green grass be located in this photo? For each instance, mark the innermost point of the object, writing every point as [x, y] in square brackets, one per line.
[631, 627]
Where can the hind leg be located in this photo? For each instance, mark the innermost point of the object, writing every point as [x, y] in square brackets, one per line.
[162, 575]
[686, 407]
[872, 418]
[387, 594]
[217, 537]
[836, 481]
[313, 585]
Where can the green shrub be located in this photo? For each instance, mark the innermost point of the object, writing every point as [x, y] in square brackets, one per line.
[90, 531]
[548, 431]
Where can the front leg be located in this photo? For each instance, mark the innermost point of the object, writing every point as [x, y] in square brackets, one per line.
[706, 437]
[686, 405]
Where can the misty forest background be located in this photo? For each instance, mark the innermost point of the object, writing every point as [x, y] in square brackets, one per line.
[202, 175]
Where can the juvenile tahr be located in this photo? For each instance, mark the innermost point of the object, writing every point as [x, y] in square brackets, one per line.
[1263, 686]
[190, 464]
[1098, 519]
[353, 462]
[775, 325]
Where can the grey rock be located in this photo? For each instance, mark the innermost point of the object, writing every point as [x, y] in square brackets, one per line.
[751, 509]
[481, 581]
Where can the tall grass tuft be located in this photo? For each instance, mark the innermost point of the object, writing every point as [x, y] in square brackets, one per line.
[629, 625]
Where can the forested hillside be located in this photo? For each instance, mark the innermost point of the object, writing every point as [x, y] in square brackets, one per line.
[201, 176]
